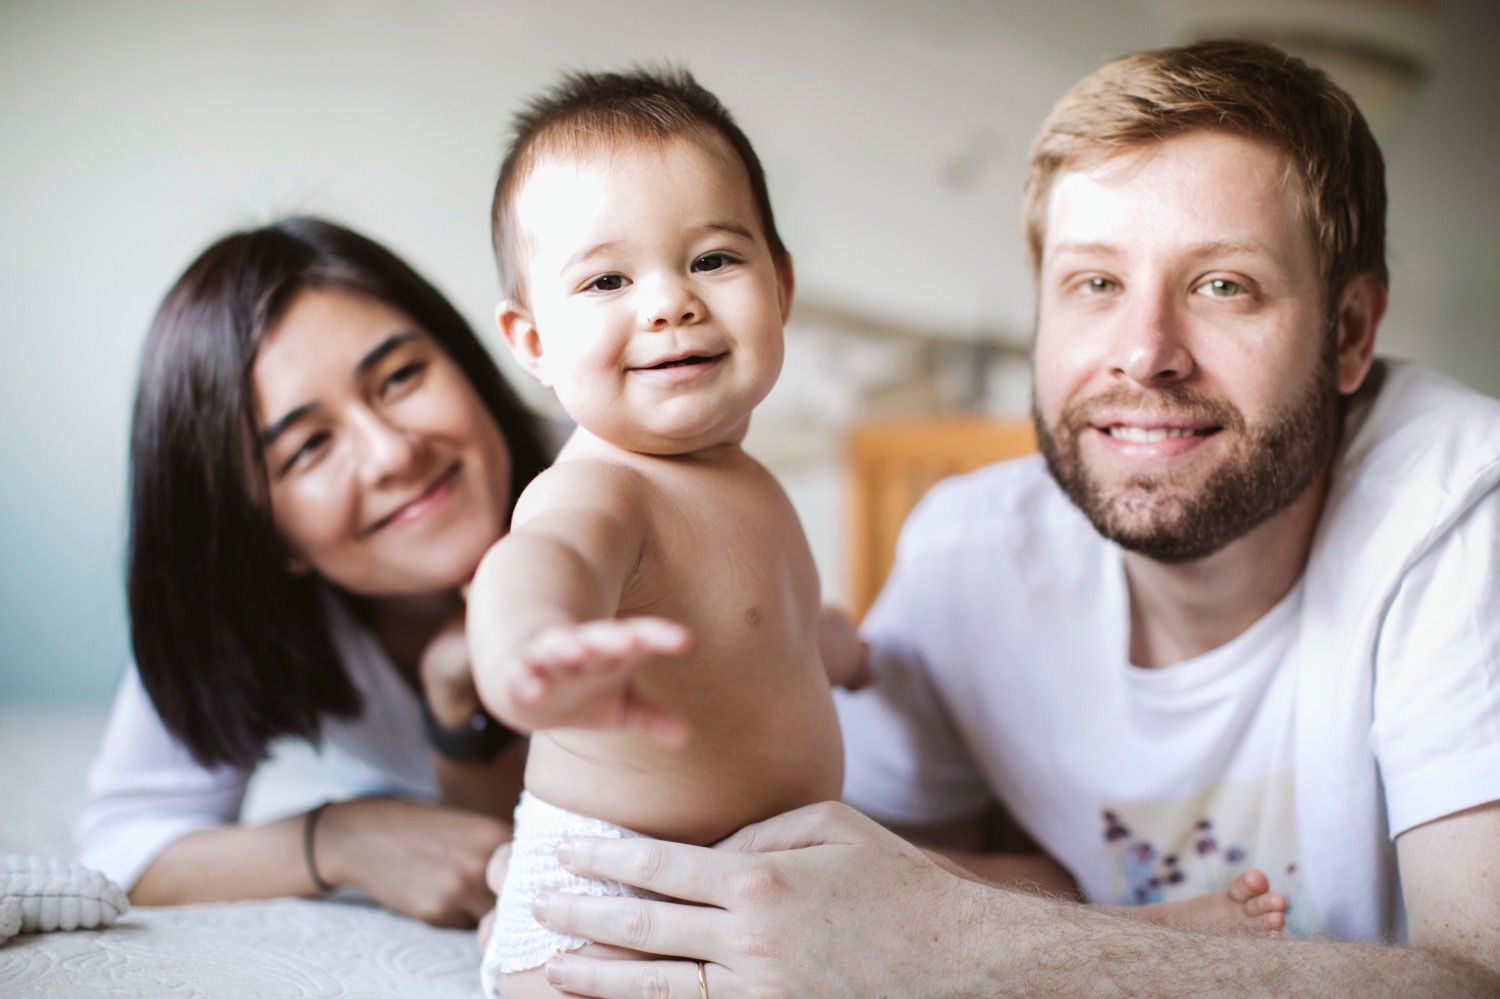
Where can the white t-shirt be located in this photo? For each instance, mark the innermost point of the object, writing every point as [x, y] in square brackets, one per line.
[1366, 702]
[146, 791]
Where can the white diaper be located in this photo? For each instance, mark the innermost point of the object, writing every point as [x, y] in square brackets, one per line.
[518, 941]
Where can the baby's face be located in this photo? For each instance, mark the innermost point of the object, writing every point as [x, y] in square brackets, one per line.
[656, 307]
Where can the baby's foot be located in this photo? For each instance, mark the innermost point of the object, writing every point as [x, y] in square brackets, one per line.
[1249, 907]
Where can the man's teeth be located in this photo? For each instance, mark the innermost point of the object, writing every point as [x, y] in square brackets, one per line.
[1144, 435]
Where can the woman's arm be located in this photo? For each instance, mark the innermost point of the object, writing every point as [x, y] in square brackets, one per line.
[165, 828]
[487, 786]
[414, 858]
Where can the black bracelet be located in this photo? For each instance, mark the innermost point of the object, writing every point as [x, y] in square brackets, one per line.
[479, 740]
[309, 825]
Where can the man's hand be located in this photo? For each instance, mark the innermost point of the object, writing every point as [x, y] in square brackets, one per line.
[417, 859]
[802, 904]
[583, 676]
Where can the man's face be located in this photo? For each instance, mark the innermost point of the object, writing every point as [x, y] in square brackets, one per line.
[1185, 375]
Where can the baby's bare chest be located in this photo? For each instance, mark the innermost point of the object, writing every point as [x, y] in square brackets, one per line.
[726, 555]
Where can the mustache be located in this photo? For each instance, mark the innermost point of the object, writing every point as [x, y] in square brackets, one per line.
[1167, 403]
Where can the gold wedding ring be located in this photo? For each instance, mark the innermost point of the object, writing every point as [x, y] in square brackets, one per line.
[702, 981]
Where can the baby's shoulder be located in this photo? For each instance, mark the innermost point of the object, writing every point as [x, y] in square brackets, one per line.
[587, 483]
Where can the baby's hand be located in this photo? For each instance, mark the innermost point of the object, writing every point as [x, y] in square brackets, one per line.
[846, 656]
[582, 676]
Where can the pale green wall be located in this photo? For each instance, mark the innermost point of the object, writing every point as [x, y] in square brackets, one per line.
[133, 133]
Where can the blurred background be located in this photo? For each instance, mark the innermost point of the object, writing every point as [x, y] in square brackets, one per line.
[893, 134]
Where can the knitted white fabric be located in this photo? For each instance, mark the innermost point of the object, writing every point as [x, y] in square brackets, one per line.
[518, 941]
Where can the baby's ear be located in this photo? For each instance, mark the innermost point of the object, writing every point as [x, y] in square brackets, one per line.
[520, 335]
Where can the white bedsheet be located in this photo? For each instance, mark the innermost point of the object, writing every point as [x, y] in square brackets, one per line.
[279, 948]
[331, 949]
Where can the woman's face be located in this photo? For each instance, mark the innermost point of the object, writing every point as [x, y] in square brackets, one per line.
[387, 474]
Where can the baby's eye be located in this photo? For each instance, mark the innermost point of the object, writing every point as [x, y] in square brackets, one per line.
[1221, 288]
[605, 282]
[712, 262]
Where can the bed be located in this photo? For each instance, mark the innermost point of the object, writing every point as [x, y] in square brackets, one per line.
[330, 949]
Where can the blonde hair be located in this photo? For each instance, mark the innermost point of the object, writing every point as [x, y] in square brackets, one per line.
[1242, 88]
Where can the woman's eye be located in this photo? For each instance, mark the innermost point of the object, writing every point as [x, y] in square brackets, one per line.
[403, 376]
[306, 451]
[1221, 288]
[1100, 284]
[712, 262]
[606, 282]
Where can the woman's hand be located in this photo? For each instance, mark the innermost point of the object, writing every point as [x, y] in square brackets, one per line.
[820, 901]
[447, 679]
[417, 859]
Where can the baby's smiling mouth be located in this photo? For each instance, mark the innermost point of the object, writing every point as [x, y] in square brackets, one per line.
[680, 362]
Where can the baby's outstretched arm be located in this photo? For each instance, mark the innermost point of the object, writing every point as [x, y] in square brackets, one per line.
[580, 676]
[548, 651]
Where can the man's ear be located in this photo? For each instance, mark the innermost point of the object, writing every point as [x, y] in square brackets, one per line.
[786, 283]
[1361, 307]
[520, 335]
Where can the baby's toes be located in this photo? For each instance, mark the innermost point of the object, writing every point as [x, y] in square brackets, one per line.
[1269, 923]
[1269, 902]
[1248, 885]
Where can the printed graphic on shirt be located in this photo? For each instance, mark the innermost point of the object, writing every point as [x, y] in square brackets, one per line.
[1166, 851]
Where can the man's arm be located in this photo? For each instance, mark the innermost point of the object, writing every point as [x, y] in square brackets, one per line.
[822, 901]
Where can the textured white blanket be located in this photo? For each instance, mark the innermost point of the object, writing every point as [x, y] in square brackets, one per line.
[278, 949]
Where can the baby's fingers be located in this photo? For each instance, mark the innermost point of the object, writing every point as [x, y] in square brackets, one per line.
[659, 635]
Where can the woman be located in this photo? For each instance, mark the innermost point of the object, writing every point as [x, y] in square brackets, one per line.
[321, 453]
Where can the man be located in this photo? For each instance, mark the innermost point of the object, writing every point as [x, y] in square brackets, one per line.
[1244, 614]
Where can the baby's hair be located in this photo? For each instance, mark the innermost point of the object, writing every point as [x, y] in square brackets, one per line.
[585, 112]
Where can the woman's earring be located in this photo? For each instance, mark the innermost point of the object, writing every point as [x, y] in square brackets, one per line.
[296, 566]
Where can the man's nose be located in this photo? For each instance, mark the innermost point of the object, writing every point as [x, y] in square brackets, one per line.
[1150, 345]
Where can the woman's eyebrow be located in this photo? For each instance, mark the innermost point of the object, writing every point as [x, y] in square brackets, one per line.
[278, 427]
[373, 357]
[381, 349]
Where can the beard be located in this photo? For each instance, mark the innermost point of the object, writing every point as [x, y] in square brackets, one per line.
[1162, 515]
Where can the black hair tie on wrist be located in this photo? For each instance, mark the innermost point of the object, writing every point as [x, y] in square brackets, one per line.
[478, 740]
[309, 825]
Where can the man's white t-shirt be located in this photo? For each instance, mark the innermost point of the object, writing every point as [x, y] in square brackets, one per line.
[1366, 702]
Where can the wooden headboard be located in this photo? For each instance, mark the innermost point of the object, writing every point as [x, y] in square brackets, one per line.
[892, 463]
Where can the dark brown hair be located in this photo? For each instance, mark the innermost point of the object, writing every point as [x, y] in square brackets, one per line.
[232, 649]
[1242, 88]
[587, 111]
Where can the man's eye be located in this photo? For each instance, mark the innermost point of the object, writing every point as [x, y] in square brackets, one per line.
[1221, 288]
[1100, 284]
[712, 262]
[606, 282]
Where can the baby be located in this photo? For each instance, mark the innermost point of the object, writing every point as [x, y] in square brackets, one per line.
[653, 617]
